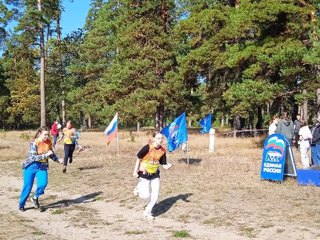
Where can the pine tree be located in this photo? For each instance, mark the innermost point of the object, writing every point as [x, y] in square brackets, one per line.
[263, 41]
[140, 72]
[33, 28]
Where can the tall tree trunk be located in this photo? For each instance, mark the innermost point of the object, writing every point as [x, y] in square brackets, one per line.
[63, 105]
[317, 67]
[251, 120]
[89, 121]
[304, 108]
[159, 123]
[81, 119]
[318, 99]
[42, 70]
[259, 122]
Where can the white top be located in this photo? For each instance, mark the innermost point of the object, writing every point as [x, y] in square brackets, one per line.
[272, 128]
[305, 133]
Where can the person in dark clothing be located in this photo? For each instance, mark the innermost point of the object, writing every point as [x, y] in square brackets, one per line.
[296, 129]
[315, 143]
[285, 127]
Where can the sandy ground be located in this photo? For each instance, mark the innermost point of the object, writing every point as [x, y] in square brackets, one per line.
[220, 196]
[110, 221]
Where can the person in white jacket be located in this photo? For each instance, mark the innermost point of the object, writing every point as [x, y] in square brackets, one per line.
[305, 138]
[273, 125]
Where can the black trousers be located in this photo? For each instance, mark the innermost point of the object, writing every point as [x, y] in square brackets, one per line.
[68, 152]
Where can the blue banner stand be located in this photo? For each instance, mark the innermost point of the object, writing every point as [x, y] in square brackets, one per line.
[290, 168]
[277, 159]
[309, 176]
[273, 158]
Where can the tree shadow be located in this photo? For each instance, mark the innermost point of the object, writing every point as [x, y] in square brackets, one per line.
[91, 197]
[192, 161]
[164, 206]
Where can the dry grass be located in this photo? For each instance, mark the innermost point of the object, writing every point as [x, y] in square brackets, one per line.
[26, 228]
[223, 189]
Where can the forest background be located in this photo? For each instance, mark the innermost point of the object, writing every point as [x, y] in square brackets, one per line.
[151, 60]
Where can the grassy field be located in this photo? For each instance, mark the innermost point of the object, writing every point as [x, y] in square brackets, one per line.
[219, 190]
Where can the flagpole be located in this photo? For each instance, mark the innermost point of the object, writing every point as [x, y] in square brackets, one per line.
[118, 149]
[187, 153]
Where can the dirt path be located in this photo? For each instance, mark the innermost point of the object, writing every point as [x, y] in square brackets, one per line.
[85, 217]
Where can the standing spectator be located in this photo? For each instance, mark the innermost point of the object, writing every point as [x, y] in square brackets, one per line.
[305, 138]
[69, 136]
[296, 127]
[55, 132]
[315, 143]
[273, 125]
[285, 127]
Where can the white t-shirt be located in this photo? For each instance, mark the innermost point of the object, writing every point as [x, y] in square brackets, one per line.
[272, 128]
[305, 133]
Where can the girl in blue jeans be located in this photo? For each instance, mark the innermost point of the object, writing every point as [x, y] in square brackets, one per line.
[36, 166]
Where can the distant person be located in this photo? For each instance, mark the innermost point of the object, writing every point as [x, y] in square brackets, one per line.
[296, 129]
[315, 142]
[273, 125]
[36, 166]
[55, 132]
[149, 159]
[285, 127]
[305, 137]
[70, 138]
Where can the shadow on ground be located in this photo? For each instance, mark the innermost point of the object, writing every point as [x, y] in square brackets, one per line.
[67, 202]
[166, 204]
[192, 161]
[90, 167]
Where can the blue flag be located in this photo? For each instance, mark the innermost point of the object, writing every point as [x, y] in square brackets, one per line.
[205, 123]
[176, 132]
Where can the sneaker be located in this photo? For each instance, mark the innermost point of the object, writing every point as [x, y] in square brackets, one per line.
[22, 209]
[35, 202]
[135, 191]
[64, 170]
[70, 160]
[148, 215]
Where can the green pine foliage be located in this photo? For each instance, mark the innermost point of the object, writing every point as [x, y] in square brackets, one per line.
[260, 41]
[151, 60]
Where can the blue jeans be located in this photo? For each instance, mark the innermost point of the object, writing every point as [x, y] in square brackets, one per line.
[315, 154]
[31, 172]
[55, 138]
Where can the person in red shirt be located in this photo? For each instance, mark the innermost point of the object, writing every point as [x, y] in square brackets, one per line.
[55, 132]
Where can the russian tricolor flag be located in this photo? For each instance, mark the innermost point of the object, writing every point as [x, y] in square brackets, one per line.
[112, 129]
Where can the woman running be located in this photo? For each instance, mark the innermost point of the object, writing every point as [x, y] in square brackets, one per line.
[36, 166]
[149, 159]
[70, 137]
